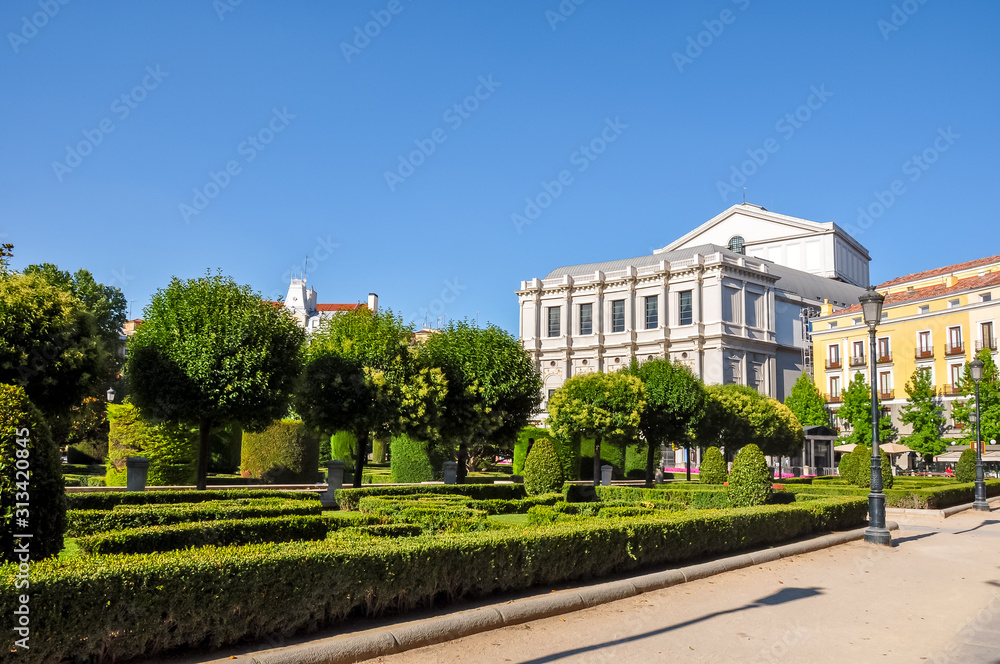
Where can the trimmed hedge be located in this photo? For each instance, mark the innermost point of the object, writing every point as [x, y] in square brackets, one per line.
[89, 522]
[172, 449]
[108, 500]
[139, 606]
[284, 453]
[348, 498]
[521, 446]
[31, 481]
[713, 467]
[410, 459]
[750, 479]
[965, 469]
[542, 471]
[222, 533]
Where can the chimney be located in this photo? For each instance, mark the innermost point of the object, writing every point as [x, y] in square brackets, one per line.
[373, 303]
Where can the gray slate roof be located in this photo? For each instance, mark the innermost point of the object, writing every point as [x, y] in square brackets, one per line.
[801, 283]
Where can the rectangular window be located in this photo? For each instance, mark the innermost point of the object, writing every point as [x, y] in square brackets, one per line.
[554, 321]
[956, 375]
[883, 350]
[953, 303]
[685, 308]
[985, 297]
[586, 319]
[884, 383]
[924, 342]
[858, 353]
[551, 392]
[652, 312]
[955, 337]
[986, 334]
[753, 312]
[923, 309]
[618, 316]
[833, 325]
[835, 387]
[833, 351]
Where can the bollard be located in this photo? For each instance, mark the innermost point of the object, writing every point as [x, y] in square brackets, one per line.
[450, 472]
[334, 482]
[606, 475]
[659, 476]
[136, 471]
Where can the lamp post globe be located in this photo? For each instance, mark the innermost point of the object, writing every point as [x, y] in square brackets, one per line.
[876, 533]
[111, 394]
[979, 502]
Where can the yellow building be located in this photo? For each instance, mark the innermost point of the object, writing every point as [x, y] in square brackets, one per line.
[933, 320]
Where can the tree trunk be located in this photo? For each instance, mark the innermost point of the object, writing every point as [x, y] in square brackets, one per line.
[650, 459]
[204, 429]
[687, 449]
[359, 461]
[597, 461]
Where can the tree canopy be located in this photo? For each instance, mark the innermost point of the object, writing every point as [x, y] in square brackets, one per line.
[744, 415]
[211, 352]
[602, 406]
[989, 400]
[675, 400]
[49, 343]
[807, 403]
[856, 410]
[493, 385]
[361, 376]
[924, 412]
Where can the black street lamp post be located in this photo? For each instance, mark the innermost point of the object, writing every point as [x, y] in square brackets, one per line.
[876, 533]
[976, 369]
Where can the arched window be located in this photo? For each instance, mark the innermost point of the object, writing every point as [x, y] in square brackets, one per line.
[736, 244]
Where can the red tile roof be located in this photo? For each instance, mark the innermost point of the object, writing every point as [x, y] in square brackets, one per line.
[341, 307]
[937, 290]
[937, 272]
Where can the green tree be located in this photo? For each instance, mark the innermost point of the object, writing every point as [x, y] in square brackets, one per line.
[675, 400]
[989, 400]
[924, 412]
[722, 425]
[362, 376]
[807, 403]
[49, 343]
[211, 353]
[856, 410]
[6, 253]
[599, 406]
[494, 387]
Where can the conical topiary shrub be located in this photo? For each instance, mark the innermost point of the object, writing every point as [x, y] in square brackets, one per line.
[713, 467]
[542, 470]
[862, 468]
[750, 480]
[847, 468]
[966, 469]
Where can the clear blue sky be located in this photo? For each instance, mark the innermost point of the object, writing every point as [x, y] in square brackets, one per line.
[315, 184]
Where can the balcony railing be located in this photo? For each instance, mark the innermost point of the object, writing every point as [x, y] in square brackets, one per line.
[858, 361]
[952, 389]
[885, 395]
[833, 399]
[924, 353]
[833, 364]
[989, 343]
[954, 349]
[884, 358]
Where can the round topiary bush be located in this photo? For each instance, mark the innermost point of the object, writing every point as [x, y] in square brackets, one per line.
[172, 449]
[713, 467]
[847, 468]
[285, 452]
[409, 460]
[750, 479]
[30, 472]
[965, 471]
[542, 470]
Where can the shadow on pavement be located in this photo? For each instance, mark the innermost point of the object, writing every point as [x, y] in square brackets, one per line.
[991, 522]
[781, 597]
[900, 540]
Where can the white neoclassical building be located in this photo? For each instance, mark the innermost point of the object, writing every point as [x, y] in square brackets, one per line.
[702, 300]
[301, 302]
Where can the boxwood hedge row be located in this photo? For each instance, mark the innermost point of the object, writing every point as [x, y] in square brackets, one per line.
[140, 605]
[108, 500]
[348, 498]
[89, 522]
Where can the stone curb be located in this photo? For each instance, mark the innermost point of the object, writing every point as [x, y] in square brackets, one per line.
[943, 513]
[407, 636]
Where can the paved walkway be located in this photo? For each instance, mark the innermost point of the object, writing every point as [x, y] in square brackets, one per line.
[933, 597]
